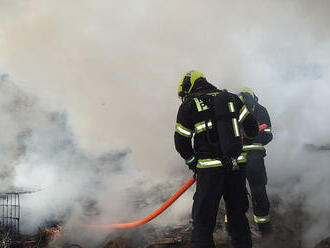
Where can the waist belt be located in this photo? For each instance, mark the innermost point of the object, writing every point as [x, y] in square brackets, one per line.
[210, 162]
[253, 147]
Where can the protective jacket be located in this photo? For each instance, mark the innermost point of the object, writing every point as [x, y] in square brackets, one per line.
[195, 119]
[255, 167]
[264, 137]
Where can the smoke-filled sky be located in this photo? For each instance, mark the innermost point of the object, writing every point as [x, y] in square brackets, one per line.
[100, 77]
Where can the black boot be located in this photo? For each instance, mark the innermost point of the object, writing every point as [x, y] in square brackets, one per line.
[265, 228]
[242, 242]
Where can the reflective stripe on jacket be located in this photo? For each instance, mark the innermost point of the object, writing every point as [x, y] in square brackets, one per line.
[186, 132]
[253, 147]
[210, 162]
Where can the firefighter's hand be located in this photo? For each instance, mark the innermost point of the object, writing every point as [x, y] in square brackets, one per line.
[192, 163]
[193, 167]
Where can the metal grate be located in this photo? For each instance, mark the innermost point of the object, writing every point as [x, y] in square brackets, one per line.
[10, 212]
[10, 209]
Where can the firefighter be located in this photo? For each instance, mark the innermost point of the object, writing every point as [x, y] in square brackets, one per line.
[256, 171]
[217, 175]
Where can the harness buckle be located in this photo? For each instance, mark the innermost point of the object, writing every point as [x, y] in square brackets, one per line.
[235, 164]
[230, 164]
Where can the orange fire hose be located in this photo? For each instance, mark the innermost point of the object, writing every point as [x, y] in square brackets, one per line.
[168, 203]
[262, 127]
[151, 216]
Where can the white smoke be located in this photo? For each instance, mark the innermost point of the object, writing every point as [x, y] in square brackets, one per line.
[74, 186]
[41, 151]
[114, 66]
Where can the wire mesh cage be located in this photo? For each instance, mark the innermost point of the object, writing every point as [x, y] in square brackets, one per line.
[10, 209]
[10, 212]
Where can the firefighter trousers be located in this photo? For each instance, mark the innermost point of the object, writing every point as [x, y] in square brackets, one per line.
[212, 184]
[257, 178]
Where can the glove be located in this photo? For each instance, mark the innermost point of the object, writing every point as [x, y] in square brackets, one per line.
[192, 163]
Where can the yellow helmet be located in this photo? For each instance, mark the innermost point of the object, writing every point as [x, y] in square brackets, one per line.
[248, 98]
[187, 82]
[248, 91]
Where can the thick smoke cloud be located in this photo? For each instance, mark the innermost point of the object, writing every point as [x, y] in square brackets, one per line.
[113, 68]
[41, 151]
[69, 185]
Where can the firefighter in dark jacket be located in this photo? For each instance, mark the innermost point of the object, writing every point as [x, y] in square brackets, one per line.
[217, 175]
[256, 171]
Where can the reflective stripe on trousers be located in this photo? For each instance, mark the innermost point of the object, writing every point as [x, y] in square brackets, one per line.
[261, 219]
